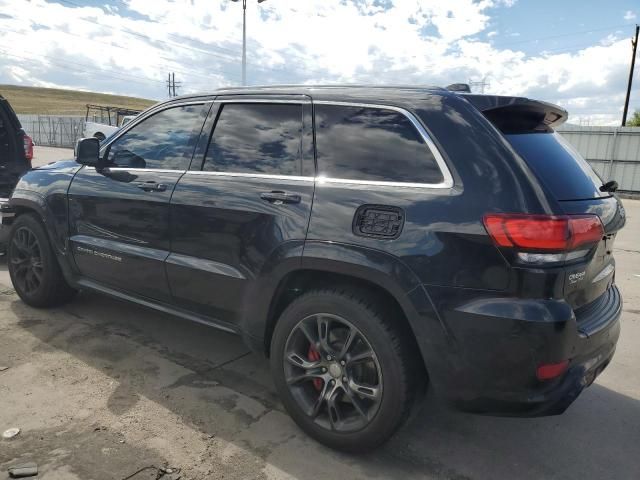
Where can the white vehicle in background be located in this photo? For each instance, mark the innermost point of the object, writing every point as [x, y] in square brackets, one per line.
[102, 121]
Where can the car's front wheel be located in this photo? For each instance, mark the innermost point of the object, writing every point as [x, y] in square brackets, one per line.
[346, 373]
[33, 267]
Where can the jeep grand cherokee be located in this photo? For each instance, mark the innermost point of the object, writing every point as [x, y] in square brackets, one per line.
[365, 239]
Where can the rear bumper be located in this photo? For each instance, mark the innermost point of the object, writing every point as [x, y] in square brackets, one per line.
[498, 344]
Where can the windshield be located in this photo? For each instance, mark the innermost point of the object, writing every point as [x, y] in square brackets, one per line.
[558, 165]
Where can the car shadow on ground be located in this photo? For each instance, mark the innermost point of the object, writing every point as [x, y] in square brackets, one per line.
[595, 438]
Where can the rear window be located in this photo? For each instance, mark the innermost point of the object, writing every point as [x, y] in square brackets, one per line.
[558, 165]
[366, 143]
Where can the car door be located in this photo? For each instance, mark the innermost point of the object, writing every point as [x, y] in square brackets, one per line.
[247, 209]
[119, 213]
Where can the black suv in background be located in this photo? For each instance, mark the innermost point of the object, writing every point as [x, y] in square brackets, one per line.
[365, 239]
[16, 149]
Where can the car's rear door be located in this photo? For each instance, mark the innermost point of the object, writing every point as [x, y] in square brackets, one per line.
[245, 208]
[119, 214]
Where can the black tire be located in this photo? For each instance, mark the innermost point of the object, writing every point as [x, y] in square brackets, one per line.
[99, 135]
[401, 379]
[33, 266]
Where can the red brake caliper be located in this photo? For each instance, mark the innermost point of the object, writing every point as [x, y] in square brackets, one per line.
[314, 356]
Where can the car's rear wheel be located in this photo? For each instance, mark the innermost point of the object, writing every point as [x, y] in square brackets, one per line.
[33, 267]
[345, 373]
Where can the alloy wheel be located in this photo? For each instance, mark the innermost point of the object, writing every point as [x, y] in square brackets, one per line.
[333, 373]
[26, 260]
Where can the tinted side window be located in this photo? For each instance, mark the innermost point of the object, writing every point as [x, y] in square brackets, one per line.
[359, 143]
[256, 138]
[164, 140]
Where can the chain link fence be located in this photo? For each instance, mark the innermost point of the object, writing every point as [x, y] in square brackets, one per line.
[53, 131]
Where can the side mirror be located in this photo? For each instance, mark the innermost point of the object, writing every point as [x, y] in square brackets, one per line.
[88, 151]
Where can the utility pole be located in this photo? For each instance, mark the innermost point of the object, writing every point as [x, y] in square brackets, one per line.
[244, 43]
[634, 44]
[482, 84]
[244, 39]
[172, 85]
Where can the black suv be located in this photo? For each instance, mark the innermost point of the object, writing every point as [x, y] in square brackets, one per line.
[365, 239]
[16, 149]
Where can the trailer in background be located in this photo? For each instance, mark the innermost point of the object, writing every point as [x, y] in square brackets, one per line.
[102, 121]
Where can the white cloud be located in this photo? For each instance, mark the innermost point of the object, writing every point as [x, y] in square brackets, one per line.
[629, 15]
[130, 48]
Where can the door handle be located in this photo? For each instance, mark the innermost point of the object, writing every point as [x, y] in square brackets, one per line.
[151, 186]
[279, 197]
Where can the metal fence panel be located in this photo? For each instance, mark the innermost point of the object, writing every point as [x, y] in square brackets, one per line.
[53, 131]
[613, 152]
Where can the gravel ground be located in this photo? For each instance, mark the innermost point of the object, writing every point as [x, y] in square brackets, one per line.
[101, 389]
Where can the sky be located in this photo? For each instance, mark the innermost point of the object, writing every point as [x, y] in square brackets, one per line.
[575, 53]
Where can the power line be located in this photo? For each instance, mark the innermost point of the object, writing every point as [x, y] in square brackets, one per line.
[146, 37]
[231, 52]
[165, 65]
[92, 69]
[573, 48]
[568, 34]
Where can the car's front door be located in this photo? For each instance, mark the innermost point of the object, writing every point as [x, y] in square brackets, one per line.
[247, 209]
[119, 213]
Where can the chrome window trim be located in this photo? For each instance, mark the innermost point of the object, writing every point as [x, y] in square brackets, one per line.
[447, 178]
[320, 180]
[143, 116]
[262, 100]
[252, 175]
[141, 170]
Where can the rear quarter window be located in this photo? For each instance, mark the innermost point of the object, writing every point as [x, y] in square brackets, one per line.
[558, 165]
[369, 143]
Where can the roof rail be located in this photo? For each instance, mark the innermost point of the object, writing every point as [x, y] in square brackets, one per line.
[328, 85]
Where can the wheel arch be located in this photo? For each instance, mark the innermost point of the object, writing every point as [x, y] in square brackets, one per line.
[28, 202]
[304, 279]
[24, 202]
[328, 264]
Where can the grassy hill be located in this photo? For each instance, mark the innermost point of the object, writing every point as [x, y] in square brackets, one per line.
[54, 101]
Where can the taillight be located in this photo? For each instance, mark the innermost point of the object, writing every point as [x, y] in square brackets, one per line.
[28, 148]
[544, 233]
[549, 371]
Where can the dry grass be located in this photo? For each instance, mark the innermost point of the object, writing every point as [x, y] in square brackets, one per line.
[54, 101]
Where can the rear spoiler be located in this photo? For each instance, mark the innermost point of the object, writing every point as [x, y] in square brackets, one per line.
[518, 114]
